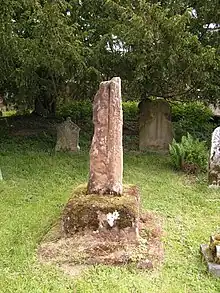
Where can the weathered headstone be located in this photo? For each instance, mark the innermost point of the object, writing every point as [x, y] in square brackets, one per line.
[67, 136]
[106, 153]
[214, 161]
[155, 126]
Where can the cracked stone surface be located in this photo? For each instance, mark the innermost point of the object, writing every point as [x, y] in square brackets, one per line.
[106, 153]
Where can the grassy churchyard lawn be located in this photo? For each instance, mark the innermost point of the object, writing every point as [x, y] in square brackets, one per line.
[37, 184]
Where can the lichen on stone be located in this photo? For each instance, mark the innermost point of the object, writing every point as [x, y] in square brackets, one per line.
[85, 211]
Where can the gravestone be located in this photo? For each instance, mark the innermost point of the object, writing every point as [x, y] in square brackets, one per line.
[155, 126]
[106, 153]
[67, 136]
[214, 161]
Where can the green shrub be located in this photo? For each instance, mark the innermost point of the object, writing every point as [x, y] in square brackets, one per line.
[77, 110]
[189, 155]
[81, 113]
[82, 110]
[130, 111]
[193, 117]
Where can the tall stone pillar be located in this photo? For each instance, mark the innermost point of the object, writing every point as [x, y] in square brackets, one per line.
[214, 161]
[106, 153]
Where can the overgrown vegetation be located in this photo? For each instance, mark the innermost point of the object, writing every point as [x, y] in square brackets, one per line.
[52, 49]
[189, 155]
[37, 185]
[77, 110]
[82, 110]
[194, 118]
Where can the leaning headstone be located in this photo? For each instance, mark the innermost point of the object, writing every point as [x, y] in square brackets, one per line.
[106, 153]
[67, 136]
[214, 161]
[1, 177]
[155, 126]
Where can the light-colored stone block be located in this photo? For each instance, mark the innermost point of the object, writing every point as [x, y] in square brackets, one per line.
[67, 136]
[155, 127]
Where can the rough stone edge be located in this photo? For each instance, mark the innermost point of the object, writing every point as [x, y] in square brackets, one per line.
[130, 190]
[78, 269]
[213, 268]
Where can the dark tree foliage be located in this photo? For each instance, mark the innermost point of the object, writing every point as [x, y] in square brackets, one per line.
[40, 51]
[167, 49]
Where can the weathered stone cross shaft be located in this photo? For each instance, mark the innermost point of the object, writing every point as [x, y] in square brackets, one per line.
[106, 153]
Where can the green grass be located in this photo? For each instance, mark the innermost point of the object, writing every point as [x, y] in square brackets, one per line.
[38, 183]
[9, 113]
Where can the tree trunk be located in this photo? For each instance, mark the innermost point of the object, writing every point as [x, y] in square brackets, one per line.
[44, 108]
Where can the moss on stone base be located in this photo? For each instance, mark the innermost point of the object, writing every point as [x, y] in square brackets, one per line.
[84, 211]
[111, 247]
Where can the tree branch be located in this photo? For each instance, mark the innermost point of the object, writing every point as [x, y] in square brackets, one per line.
[169, 96]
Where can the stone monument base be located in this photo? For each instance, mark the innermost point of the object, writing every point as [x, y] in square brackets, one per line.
[213, 268]
[98, 229]
[101, 212]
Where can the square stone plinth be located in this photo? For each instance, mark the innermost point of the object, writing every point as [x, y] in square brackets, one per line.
[84, 234]
[101, 212]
